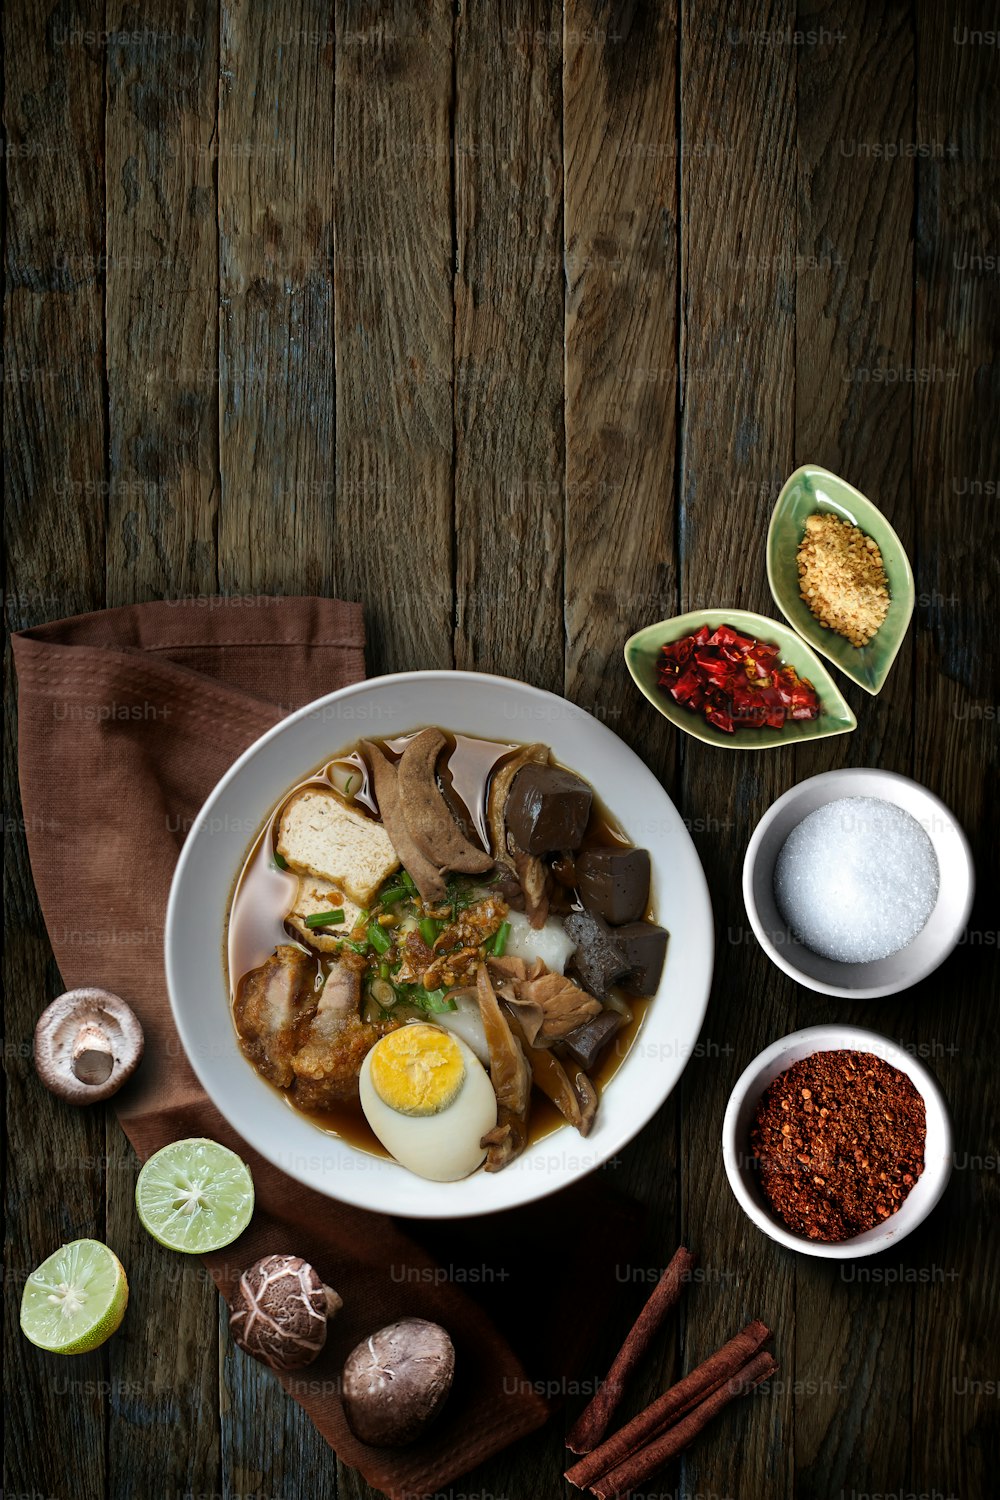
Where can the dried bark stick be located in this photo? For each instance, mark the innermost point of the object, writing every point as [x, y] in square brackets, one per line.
[675, 1403]
[593, 1422]
[619, 1483]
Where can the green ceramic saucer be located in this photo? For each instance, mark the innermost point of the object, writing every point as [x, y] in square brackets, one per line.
[642, 652]
[812, 489]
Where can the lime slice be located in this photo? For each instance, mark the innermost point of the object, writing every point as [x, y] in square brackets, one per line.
[195, 1196]
[75, 1299]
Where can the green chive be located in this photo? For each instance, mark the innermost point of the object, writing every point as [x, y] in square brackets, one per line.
[500, 941]
[407, 880]
[280, 861]
[347, 786]
[325, 918]
[383, 971]
[429, 930]
[393, 894]
[378, 939]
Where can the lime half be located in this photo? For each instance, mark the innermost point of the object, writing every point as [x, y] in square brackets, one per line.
[76, 1299]
[195, 1196]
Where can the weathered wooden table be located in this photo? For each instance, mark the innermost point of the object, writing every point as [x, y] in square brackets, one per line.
[509, 320]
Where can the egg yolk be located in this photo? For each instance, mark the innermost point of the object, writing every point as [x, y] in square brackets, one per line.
[417, 1070]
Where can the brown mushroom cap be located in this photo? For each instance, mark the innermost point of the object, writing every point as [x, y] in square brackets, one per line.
[279, 1312]
[397, 1380]
[87, 1043]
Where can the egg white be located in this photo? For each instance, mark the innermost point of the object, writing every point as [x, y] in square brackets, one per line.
[442, 1147]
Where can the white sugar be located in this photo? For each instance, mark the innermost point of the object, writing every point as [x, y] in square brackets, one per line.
[857, 879]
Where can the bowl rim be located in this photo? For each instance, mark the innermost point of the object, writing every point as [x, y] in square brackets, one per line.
[840, 1036]
[775, 954]
[698, 729]
[533, 1190]
[814, 641]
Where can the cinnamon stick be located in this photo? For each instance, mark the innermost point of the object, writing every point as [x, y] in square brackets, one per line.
[619, 1483]
[675, 1403]
[593, 1422]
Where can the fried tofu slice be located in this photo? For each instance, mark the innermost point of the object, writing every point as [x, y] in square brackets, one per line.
[320, 834]
[314, 896]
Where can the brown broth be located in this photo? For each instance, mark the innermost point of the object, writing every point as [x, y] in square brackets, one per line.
[262, 892]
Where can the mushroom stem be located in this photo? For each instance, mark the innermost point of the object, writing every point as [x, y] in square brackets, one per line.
[333, 1302]
[93, 1058]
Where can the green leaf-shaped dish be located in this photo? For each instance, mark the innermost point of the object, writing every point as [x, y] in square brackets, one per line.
[812, 489]
[642, 652]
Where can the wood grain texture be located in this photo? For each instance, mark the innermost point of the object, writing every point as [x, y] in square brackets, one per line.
[508, 375]
[395, 327]
[737, 373]
[853, 410]
[621, 266]
[161, 279]
[956, 453]
[54, 482]
[276, 358]
[510, 321]
[162, 298]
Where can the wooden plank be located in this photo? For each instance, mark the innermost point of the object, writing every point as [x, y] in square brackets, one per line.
[508, 405]
[394, 320]
[509, 341]
[394, 327]
[162, 299]
[54, 484]
[737, 397]
[276, 364]
[621, 263]
[853, 277]
[621, 337]
[161, 308]
[276, 394]
[956, 459]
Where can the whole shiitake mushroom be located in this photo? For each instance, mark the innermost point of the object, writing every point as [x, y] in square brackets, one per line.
[88, 1042]
[279, 1311]
[396, 1381]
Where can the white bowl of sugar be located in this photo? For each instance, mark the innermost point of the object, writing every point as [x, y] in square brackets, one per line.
[858, 883]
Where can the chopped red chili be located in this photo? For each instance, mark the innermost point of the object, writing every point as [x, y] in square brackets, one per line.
[736, 682]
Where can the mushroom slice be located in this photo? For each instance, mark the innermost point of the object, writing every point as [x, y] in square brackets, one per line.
[426, 875]
[564, 1005]
[431, 825]
[510, 1076]
[496, 802]
[548, 1073]
[87, 1043]
[535, 882]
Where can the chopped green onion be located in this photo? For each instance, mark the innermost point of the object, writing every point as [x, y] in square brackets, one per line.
[383, 971]
[382, 993]
[434, 1001]
[393, 894]
[325, 918]
[355, 947]
[407, 880]
[429, 930]
[378, 939]
[437, 1001]
[347, 786]
[500, 941]
[280, 861]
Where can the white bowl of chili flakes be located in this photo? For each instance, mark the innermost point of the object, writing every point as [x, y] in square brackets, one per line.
[813, 1122]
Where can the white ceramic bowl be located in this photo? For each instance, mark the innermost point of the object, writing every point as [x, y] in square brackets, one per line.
[742, 1107]
[931, 945]
[495, 708]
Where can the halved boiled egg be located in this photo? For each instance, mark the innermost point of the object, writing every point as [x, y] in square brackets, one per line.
[429, 1100]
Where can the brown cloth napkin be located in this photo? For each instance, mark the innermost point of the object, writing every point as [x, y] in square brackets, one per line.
[127, 719]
